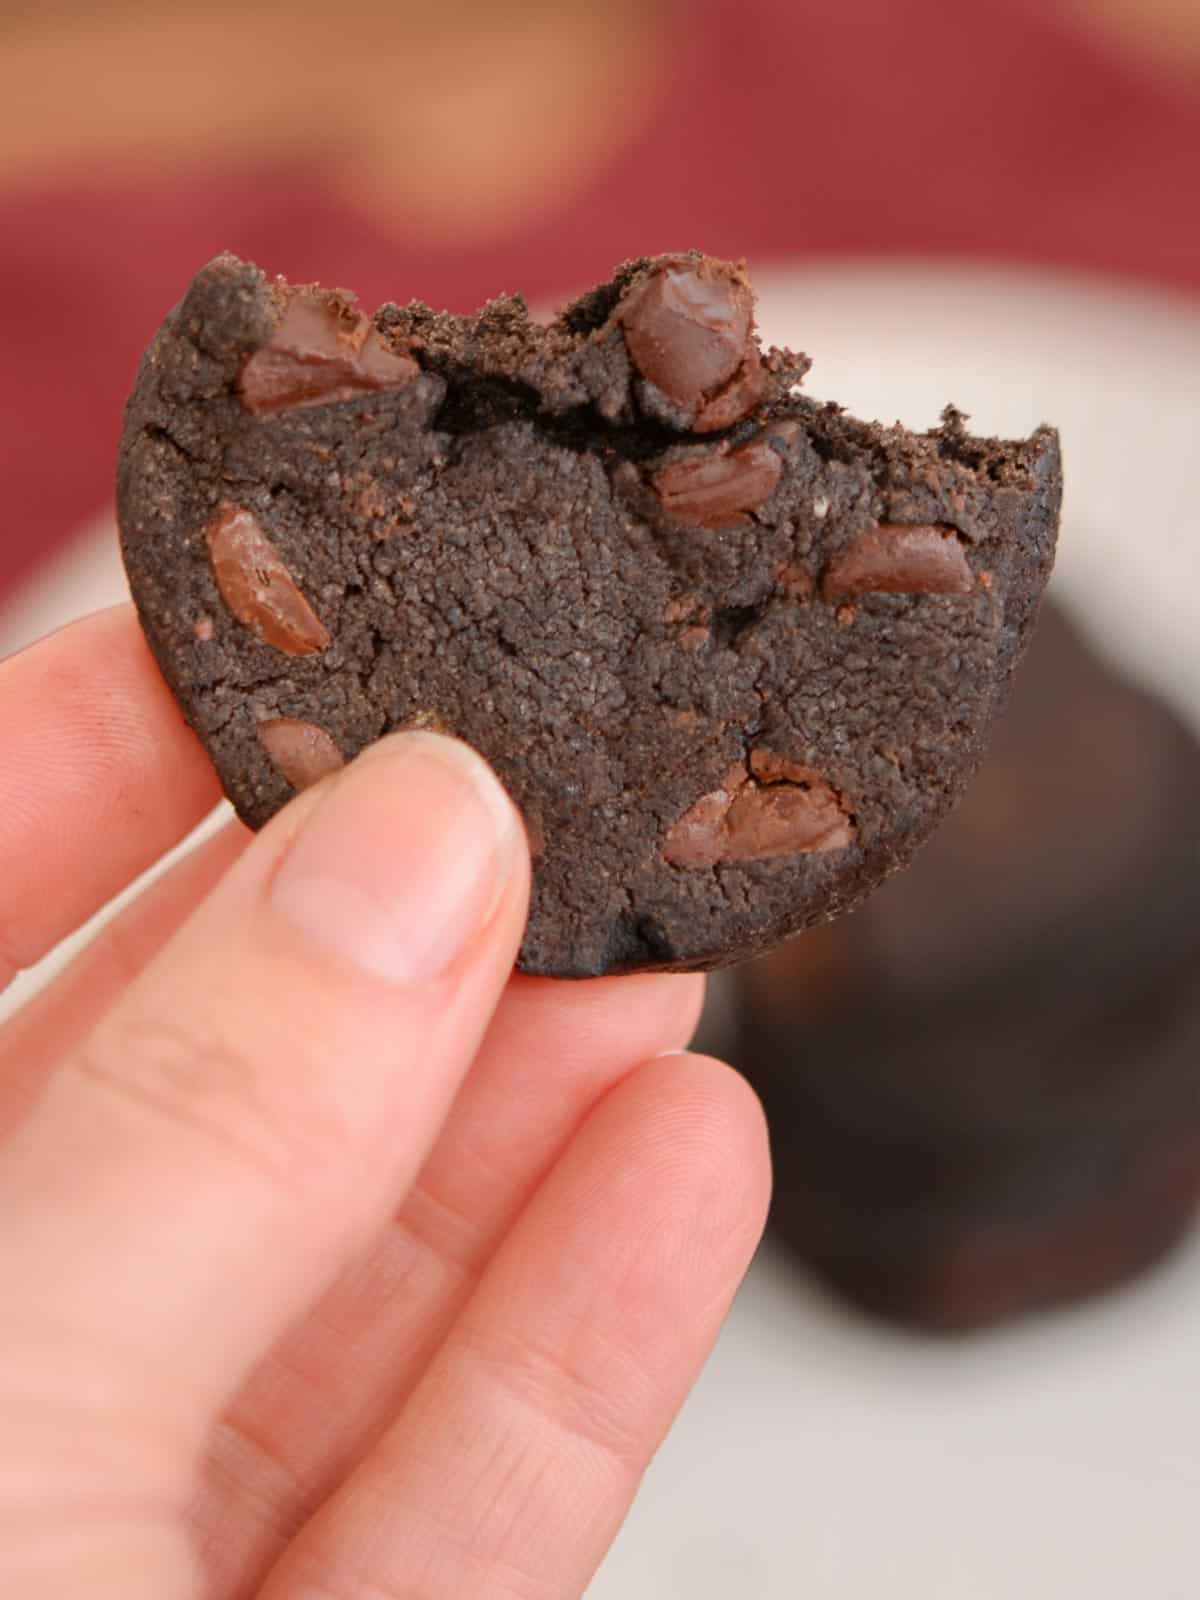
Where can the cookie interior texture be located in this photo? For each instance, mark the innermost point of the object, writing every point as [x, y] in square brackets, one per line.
[733, 652]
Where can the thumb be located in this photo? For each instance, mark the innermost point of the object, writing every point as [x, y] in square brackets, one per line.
[237, 1130]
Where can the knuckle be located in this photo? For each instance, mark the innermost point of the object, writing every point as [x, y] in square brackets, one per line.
[92, 1433]
[590, 1392]
[246, 1465]
[261, 1110]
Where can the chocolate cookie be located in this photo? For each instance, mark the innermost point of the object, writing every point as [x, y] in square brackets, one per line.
[733, 653]
[984, 1089]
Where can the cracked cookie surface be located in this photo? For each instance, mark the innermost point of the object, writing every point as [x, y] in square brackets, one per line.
[733, 653]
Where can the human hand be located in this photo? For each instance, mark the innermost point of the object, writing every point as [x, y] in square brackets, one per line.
[335, 1261]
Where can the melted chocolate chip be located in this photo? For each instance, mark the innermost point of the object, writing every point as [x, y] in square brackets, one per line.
[768, 767]
[900, 558]
[301, 752]
[719, 490]
[258, 588]
[736, 400]
[770, 808]
[689, 330]
[322, 349]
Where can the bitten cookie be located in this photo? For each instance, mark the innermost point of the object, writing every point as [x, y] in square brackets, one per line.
[733, 653]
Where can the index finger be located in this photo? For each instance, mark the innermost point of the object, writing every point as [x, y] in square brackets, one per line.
[101, 777]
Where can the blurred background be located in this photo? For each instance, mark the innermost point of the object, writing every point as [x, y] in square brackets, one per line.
[963, 1364]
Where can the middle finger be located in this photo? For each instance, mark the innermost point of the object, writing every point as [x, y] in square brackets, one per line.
[331, 1390]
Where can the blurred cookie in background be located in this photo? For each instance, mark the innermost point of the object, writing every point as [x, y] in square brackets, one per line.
[984, 1088]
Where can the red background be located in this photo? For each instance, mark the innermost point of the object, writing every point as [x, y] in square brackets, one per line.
[866, 128]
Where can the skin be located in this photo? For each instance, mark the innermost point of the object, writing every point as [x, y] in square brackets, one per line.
[1167, 32]
[480, 135]
[337, 1260]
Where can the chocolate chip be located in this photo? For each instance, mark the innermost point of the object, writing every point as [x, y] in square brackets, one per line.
[535, 835]
[301, 752]
[720, 489]
[900, 558]
[794, 581]
[258, 588]
[768, 767]
[769, 808]
[736, 400]
[684, 608]
[322, 349]
[689, 332]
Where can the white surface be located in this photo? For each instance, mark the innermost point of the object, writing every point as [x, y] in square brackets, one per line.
[822, 1458]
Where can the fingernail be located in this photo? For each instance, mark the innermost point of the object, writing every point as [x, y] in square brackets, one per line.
[404, 861]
